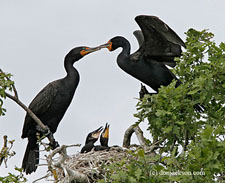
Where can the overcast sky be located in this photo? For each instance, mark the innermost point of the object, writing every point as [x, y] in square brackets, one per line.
[36, 35]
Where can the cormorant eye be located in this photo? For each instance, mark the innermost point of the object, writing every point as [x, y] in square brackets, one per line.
[85, 48]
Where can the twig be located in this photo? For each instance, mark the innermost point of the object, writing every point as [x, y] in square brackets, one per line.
[186, 140]
[3, 151]
[139, 133]
[13, 86]
[71, 175]
[35, 118]
[44, 177]
[140, 136]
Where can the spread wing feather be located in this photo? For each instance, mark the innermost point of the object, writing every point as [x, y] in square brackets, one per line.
[159, 39]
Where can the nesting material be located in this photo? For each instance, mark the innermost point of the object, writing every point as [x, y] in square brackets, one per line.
[91, 164]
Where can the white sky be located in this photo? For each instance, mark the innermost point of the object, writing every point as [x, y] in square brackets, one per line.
[36, 35]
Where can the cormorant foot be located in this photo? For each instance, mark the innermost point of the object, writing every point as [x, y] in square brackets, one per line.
[54, 144]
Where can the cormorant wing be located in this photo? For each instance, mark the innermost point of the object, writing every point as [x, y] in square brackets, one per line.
[40, 104]
[159, 39]
[44, 98]
[140, 38]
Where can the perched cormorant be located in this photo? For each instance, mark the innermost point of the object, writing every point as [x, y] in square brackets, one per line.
[50, 105]
[161, 45]
[90, 140]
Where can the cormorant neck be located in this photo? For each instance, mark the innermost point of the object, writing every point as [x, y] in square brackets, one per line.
[71, 71]
[125, 46]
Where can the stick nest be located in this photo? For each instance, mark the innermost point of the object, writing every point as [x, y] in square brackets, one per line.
[92, 163]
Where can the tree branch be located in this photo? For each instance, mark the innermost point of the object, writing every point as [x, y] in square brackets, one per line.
[127, 136]
[139, 133]
[140, 136]
[129, 132]
[70, 175]
[35, 118]
[13, 86]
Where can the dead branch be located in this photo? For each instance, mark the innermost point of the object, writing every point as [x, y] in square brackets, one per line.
[140, 137]
[138, 132]
[70, 175]
[127, 136]
[35, 118]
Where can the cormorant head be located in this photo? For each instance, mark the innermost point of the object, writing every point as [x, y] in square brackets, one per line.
[114, 43]
[77, 53]
[105, 136]
[93, 136]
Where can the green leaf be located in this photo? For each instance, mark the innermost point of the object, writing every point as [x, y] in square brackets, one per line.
[141, 153]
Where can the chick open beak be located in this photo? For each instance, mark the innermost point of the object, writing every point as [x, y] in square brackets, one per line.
[105, 133]
[97, 132]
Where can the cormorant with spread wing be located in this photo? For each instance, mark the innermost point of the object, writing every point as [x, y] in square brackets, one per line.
[159, 47]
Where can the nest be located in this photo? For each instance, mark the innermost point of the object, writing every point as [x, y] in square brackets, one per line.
[89, 167]
[92, 164]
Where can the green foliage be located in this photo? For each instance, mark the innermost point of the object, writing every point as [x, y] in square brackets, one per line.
[14, 178]
[5, 84]
[136, 168]
[193, 146]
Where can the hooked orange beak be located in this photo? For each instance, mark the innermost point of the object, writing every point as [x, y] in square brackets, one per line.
[107, 45]
[87, 50]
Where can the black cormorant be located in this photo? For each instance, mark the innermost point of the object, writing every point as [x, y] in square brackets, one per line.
[161, 45]
[50, 105]
[90, 140]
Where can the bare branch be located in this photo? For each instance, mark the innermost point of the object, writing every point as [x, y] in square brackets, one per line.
[3, 151]
[71, 175]
[139, 133]
[127, 136]
[35, 118]
[129, 132]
